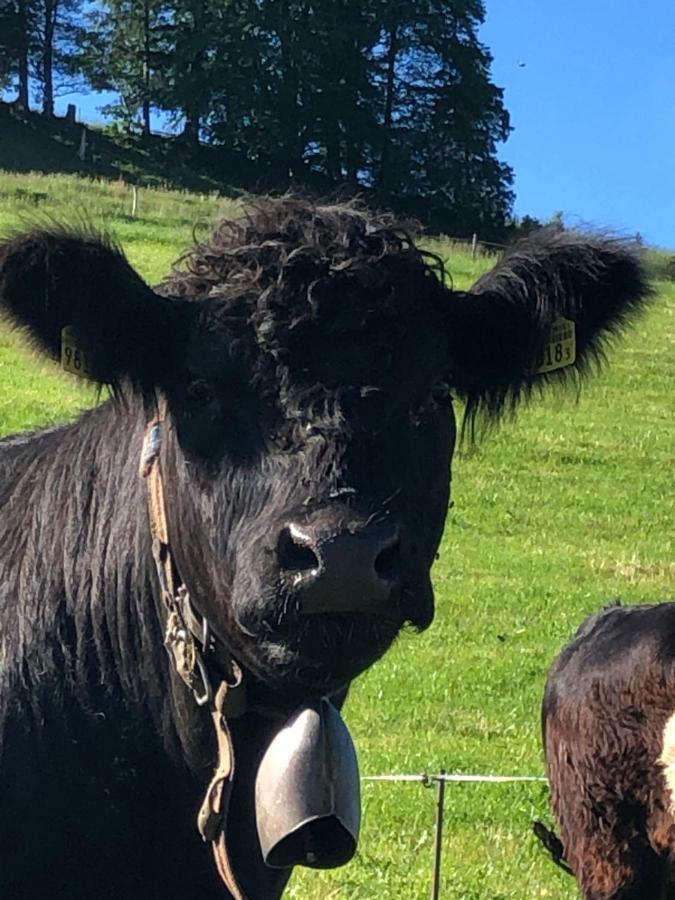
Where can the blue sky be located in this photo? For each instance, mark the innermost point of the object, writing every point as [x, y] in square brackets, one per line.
[593, 109]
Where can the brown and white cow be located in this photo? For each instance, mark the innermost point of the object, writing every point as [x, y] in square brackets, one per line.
[609, 737]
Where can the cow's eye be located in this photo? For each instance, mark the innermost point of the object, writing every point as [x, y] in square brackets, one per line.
[199, 394]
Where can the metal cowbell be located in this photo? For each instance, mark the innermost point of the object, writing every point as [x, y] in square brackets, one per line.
[307, 792]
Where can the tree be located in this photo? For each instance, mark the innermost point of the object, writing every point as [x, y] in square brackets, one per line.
[36, 43]
[294, 91]
[395, 99]
[196, 35]
[15, 40]
[53, 29]
[390, 97]
[343, 97]
[155, 53]
[125, 47]
[442, 117]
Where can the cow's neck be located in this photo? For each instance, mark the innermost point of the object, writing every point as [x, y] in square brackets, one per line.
[80, 582]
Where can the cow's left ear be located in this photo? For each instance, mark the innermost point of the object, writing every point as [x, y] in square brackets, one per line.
[80, 301]
[545, 313]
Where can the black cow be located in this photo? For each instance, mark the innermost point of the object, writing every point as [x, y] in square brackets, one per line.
[609, 737]
[304, 357]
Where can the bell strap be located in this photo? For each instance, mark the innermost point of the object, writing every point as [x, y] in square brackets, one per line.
[212, 818]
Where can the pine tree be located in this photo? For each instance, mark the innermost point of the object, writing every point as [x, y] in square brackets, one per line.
[443, 117]
[303, 108]
[188, 83]
[124, 47]
[52, 25]
[394, 97]
[363, 95]
[15, 41]
[36, 44]
[343, 97]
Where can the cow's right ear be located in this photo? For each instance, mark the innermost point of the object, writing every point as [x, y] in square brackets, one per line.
[543, 315]
[77, 294]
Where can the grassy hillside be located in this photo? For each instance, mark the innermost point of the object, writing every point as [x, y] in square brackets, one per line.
[30, 142]
[557, 512]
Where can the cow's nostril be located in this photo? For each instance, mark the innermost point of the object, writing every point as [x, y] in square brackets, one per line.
[293, 555]
[388, 562]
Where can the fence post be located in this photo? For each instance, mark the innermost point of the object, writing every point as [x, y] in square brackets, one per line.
[82, 149]
[474, 244]
[134, 200]
[438, 836]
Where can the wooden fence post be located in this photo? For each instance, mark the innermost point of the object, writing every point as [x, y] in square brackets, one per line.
[82, 149]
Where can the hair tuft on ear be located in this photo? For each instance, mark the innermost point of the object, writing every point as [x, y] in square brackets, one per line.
[55, 278]
[589, 287]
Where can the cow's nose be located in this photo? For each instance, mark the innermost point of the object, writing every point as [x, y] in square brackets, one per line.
[351, 570]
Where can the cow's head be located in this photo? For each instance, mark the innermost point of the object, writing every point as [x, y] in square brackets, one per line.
[308, 356]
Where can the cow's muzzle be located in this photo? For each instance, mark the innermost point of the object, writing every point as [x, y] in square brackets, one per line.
[307, 797]
[354, 569]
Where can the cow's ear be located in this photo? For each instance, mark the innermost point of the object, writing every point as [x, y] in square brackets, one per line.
[80, 301]
[545, 313]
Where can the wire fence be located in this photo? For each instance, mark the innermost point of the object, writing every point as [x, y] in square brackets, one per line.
[474, 244]
[439, 781]
[457, 778]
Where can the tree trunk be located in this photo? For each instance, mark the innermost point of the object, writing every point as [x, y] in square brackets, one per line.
[290, 88]
[390, 89]
[145, 108]
[190, 132]
[23, 96]
[353, 156]
[51, 13]
[196, 101]
[333, 154]
[145, 112]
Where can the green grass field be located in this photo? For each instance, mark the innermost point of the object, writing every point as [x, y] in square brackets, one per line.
[554, 514]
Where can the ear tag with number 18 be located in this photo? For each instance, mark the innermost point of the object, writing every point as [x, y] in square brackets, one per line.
[561, 350]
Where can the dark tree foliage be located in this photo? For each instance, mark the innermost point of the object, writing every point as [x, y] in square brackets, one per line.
[124, 47]
[442, 117]
[17, 41]
[11, 40]
[195, 39]
[159, 54]
[37, 42]
[391, 99]
[55, 37]
[300, 100]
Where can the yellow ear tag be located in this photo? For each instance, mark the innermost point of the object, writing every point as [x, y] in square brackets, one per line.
[73, 359]
[561, 350]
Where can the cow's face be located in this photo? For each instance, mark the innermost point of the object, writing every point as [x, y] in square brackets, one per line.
[311, 469]
[307, 355]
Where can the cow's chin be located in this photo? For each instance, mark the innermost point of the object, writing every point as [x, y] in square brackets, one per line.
[319, 655]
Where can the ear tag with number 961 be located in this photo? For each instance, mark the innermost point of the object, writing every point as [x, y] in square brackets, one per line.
[73, 359]
[561, 350]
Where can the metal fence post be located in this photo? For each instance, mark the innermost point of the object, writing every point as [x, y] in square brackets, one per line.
[438, 836]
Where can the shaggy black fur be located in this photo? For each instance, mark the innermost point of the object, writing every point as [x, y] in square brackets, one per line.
[307, 354]
[608, 698]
